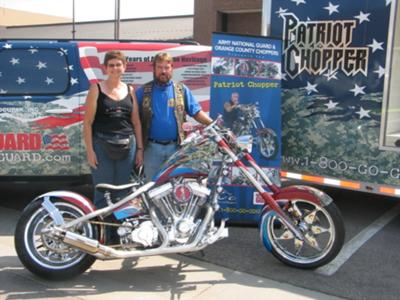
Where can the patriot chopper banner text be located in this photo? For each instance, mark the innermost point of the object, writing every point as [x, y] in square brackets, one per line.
[334, 61]
[245, 89]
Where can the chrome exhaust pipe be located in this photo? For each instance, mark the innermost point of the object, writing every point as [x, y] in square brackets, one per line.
[101, 251]
[81, 242]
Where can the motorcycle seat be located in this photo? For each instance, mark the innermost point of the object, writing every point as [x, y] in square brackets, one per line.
[102, 187]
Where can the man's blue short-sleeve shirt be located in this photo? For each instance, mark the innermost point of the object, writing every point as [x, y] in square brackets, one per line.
[163, 125]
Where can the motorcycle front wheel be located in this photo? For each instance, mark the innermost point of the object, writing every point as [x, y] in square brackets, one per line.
[268, 143]
[323, 231]
[47, 256]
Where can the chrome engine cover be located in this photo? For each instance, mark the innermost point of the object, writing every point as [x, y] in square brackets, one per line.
[146, 234]
[178, 205]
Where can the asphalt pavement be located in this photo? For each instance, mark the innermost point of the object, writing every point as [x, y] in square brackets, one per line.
[158, 277]
[369, 269]
[236, 267]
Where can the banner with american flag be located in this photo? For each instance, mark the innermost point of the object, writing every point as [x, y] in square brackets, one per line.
[191, 64]
[43, 87]
[334, 66]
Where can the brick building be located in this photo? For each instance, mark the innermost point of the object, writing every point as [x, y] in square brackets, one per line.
[242, 17]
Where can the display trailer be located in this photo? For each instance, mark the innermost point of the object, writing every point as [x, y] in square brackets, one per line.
[340, 92]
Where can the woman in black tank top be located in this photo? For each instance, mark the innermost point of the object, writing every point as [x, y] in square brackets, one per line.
[111, 112]
[113, 117]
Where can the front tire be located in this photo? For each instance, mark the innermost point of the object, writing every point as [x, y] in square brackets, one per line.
[322, 227]
[268, 143]
[46, 256]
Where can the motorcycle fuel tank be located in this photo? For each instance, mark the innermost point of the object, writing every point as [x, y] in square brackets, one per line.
[191, 160]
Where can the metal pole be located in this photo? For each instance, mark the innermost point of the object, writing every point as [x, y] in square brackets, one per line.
[266, 17]
[117, 19]
[73, 19]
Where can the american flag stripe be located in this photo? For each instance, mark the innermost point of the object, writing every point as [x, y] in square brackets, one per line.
[94, 70]
[57, 148]
[63, 120]
[94, 51]
[90, 62]
[91, 58]
[95, 75]
[205, 105]
[79, 109]
[56, 142]
[87, 53]
[188, 58]
[104, 47]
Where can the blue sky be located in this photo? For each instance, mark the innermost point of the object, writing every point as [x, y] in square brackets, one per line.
[92, 10]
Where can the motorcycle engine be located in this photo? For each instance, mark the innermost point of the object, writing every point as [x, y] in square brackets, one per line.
[137, 232]
[179, 206]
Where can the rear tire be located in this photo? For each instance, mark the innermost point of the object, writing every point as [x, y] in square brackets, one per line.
[49, 257]
[322, 227]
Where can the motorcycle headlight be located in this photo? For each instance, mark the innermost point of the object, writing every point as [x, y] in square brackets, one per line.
[245, 142]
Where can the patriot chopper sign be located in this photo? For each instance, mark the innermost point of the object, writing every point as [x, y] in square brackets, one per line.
[335, 95]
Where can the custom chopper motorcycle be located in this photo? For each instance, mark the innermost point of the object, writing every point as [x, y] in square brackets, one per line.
[250, 122]
[60, 234]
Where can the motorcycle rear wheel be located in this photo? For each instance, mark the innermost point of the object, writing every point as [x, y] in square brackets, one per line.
[46, 256]
[322, 227]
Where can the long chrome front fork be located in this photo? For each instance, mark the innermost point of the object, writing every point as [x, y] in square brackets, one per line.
[268, 199]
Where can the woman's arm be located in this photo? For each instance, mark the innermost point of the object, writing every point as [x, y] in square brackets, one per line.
[90, 113]
[137, 127]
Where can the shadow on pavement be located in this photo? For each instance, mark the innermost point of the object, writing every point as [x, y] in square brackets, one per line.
[162, 277]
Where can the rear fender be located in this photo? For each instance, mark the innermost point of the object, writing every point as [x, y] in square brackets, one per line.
[80, 201]
[76, 199]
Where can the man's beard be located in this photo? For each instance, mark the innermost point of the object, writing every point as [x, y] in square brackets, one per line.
[163, 78]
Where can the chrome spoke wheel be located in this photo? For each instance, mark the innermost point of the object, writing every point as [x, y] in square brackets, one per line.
[318, 229]
[42, 250]
[47, 250]
[321, 227]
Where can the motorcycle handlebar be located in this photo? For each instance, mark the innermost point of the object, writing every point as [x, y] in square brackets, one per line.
[197, 132]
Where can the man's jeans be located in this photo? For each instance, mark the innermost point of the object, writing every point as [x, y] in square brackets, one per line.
[154, 156]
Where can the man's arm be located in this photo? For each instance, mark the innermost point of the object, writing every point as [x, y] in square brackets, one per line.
[202, 118]
[193, 108]
[228, 107]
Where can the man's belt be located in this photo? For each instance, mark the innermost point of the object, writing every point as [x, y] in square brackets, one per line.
[161, 142]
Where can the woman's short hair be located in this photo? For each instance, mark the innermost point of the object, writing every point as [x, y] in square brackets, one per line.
[114, 54]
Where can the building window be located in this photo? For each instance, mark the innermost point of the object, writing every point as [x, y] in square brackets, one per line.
[239, 22]
[222, 22]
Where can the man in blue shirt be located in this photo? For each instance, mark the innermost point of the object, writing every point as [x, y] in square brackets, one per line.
[163, 105]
